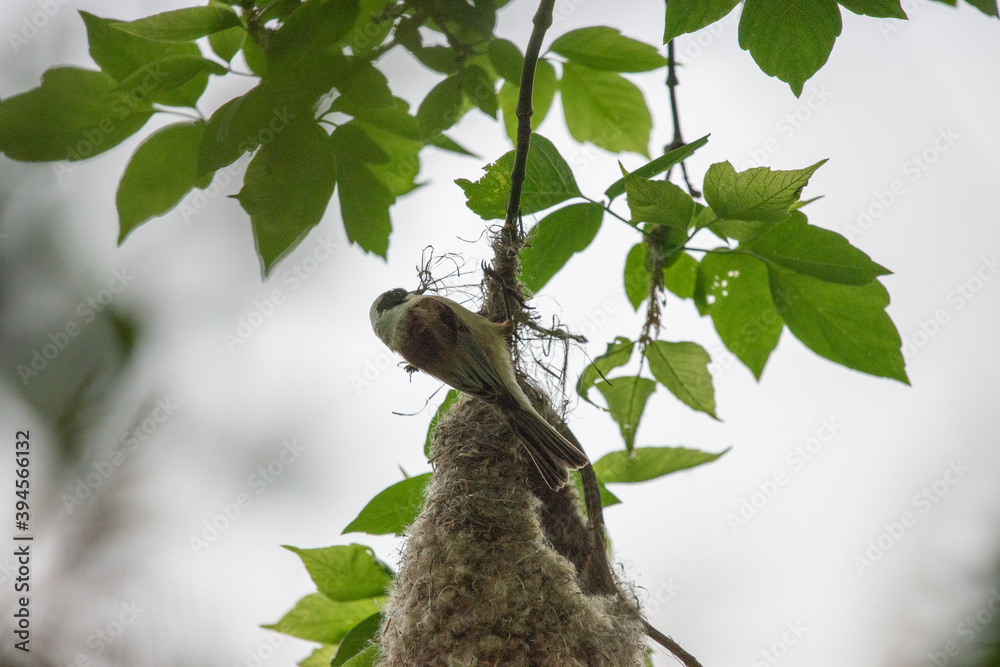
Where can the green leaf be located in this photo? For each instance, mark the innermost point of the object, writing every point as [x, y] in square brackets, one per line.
[300, 49]
[542, 94]
[481, 89]
[72, 116]
[441, 59]
[605, 109]
[794, 244]
[988, 7]
[738, 230]
[374, 166]
[683, 369]
[318, 618]
[182, 25]
[789, 39]
[366, 658]
[345, 573]
[120, 55]
[507, 59]
[368, 34]
[645, 463]
[657, 202]
[681, 276]
[443, 107]
[446, 143]
[555, 239]
[364, 92]
[160, 173]
[636, 275]
[626, 398]
[227, 43]
[885, 9]
[364, 198]
[241, 125]
[287, 187]
[548, 181]
[393, 509]
[449, 400]
[357, 640]
[321, 657]
[740, 306]
[606, 49]
[755, 194]
[155, 80]
[401, 165]
[657, 166]
[684, 16]
[617, 354]
[846, 324]
[255, 56]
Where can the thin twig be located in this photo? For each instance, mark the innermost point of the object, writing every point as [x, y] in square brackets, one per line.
[678, 140]
[666, 642]
[556, 333]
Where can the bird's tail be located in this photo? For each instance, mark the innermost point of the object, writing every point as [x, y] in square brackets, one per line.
[553, 454]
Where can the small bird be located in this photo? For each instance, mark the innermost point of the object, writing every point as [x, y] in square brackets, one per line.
[469, 352]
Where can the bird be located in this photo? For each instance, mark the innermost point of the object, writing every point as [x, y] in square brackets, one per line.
[469, 353]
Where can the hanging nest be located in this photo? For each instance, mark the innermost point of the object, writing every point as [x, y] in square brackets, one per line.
[494, 569]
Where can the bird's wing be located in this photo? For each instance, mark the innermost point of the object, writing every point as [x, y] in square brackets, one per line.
[481, 371]
[439, 343]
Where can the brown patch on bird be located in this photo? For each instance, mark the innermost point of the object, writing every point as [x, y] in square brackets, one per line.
[431, 333]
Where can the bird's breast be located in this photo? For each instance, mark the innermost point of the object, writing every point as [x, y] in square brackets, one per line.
[429, 336]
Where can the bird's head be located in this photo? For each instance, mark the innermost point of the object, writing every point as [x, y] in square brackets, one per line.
[386, 313]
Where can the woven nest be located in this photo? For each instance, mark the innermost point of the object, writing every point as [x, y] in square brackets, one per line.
[489, 572]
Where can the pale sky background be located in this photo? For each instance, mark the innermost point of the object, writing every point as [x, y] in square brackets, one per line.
[890, 91]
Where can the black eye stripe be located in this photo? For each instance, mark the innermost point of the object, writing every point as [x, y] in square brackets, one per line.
[391, 299]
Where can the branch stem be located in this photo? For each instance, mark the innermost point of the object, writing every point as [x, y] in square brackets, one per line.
[666, 642]
[504, 294]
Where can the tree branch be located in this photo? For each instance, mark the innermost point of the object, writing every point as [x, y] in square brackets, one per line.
[678, 140]
[666, 642]
[503, 290]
